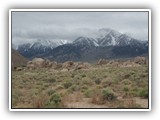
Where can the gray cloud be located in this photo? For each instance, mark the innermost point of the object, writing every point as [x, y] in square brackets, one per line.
[29, 26]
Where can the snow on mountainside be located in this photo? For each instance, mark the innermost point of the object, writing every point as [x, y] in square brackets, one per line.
[107, 37]
[85, 41]
[40, 43]
[105, 31]
[39, 47]
[43, 44]
[49, 43]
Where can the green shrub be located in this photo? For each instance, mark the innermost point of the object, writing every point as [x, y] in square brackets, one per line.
[108, 94]
[42, 88]
[55, 98]
[126, 76]
[51, 92]
[132, 72]
[97, 81]
[51, 80]
[115, 81]
[83, 75]
[54, 101]
[144, 92]
[59, 87]
[143, 75]
[126, 82]
[84, 88]
[88, 93]
[46, 85]
[74, 88]
[125, 89]
[67, 84]
[87, 81]
[72, 75]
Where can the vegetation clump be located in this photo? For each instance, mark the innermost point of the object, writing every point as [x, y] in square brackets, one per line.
[108, 94]
[54, 101]
[67, 84]
[97, 81]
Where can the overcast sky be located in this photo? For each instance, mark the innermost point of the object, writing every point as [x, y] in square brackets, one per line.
[30, 26]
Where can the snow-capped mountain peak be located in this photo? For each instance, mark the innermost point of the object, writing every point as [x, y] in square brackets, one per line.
[61, 42]
[105, 37]
[109, 37]
[105, 31]
[46, 43]
[42, 43]
[85, 41]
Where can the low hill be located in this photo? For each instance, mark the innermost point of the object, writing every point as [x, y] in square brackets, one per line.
[18, 59]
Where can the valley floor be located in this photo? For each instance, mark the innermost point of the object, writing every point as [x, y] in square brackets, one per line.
[100, 86]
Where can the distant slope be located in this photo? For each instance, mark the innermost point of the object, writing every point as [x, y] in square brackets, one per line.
[18, 59]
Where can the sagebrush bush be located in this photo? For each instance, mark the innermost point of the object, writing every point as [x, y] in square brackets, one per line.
[97, 81]
[50, 92]
[86, 81]
[144, 92]
[75, 88]
[83, 75]
[72, 75]
[54, 101]
[84, 88]
[108, 94]
[55, 98]
[126, 82]
[88, 93]
[143, 75]
[127, 76]
[46, 85]
[67, 84]
[59, 87]
[125, 89]
[51, 80]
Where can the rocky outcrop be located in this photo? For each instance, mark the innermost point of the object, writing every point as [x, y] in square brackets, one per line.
[71, 66]
[140, 60]
[18, 68]
[41, 63]
[68, 65]
[31, 66]
[135, 62]
[38, 62]
[82, 65]
[57, 65]
[102, 61]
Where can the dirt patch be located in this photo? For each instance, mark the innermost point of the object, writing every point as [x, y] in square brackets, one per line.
[85, 103]
[142, 102]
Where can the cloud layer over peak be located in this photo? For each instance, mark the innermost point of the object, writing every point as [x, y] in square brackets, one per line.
[30, 26]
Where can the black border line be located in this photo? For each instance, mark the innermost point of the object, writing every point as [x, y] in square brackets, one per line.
[148, 59]
[85, 108]
[11, 58]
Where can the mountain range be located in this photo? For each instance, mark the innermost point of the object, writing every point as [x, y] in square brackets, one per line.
[107, 44]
